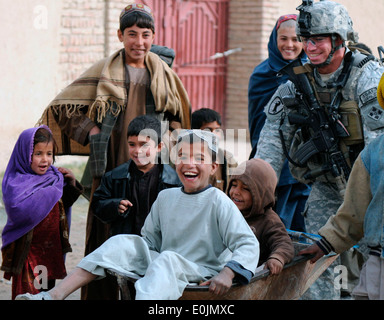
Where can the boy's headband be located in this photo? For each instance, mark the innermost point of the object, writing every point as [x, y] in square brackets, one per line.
[136, 7]
[207, 136]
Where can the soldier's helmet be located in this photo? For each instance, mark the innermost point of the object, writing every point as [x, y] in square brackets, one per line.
[324, 17]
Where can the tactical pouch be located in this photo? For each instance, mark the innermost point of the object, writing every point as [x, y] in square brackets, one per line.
[297, 172]
[351, 119]
[315, 168]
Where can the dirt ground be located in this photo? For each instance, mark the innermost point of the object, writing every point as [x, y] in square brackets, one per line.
[77, 238]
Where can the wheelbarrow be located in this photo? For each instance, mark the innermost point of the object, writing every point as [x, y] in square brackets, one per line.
[290, 284]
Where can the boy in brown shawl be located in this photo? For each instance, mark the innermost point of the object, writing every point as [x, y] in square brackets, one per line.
[252, 189]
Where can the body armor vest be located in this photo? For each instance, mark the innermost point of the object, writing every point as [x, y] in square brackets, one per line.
[338, 100]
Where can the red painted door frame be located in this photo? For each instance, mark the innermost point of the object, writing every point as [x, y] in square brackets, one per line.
[196, 30]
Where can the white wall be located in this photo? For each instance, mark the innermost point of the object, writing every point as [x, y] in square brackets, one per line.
[29, 53]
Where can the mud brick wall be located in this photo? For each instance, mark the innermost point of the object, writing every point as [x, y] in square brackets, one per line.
[82, 34]
[250, 25]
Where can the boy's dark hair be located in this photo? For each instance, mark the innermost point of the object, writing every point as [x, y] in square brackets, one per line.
[45, 136]
[147, 126]
[142, 20]
[204, 115]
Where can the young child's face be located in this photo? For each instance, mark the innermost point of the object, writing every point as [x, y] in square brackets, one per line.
[240, 195]
[143, 151]
[137, 42]
[194, 165]
[42, 157]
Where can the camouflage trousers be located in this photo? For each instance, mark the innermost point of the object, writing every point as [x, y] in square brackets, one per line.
[324, 201]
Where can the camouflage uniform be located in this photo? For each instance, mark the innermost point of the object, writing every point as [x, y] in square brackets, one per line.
[325, 199]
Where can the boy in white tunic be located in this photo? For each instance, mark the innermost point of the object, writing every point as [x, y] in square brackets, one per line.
[192, 234]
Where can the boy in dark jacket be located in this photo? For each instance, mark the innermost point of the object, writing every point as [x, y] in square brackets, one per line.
[126, 193]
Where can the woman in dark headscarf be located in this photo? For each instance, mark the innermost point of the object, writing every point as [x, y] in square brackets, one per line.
[264, 81]
[283, 47]
[37, 198]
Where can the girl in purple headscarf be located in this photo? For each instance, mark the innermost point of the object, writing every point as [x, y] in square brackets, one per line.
[37, 198]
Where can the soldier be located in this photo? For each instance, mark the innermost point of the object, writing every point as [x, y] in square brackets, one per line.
[323, 131]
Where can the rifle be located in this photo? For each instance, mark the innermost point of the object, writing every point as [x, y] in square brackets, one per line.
[326, 129]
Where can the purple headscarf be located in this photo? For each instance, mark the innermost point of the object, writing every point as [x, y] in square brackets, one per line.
[27, 196]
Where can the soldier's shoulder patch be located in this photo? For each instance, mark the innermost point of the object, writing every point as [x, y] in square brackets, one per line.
[276, 106]
[375, 113]
[368, 96]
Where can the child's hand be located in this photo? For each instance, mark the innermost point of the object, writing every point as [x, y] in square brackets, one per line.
[315, 250]
[68, 175]
[124, 205]
[221, 283]
[275, 266]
